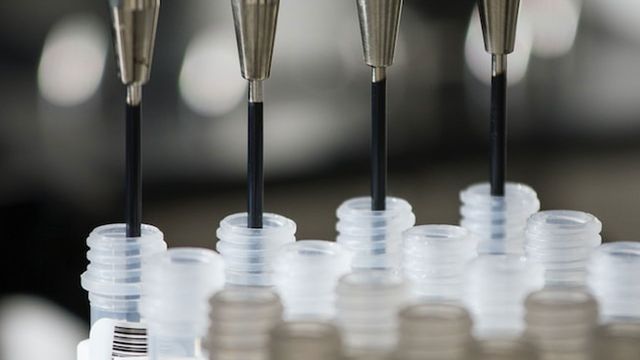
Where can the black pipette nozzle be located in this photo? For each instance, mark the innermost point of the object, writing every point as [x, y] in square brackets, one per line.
[499, 19]
[378, 144]
[379, 23]
[133, 170]
[255, 174]
[255, 23]
[134, 24]
[498, 134]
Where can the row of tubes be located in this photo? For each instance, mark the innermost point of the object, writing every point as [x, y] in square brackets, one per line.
[508, 283]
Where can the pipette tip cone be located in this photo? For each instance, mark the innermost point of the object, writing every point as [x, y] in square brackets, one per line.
[134, 25]
[499, 19]
[379, 23]
[255, 22]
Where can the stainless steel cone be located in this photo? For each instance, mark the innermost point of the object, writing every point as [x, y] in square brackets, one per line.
[499, 20]
[134, 28]
[255, 22]
[379, 23]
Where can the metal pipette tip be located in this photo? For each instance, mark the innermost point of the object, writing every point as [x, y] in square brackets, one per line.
[379, 23]
[134, 25]
[499, 19]
[255, 23]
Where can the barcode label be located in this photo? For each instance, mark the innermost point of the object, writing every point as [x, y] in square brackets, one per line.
[129, 341]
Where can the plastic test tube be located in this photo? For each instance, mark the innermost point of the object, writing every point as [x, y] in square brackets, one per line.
[367, 306]
[240, 321]
[495, 289]
[435, 257]
[177, 287]
[114, 282]
[562, 241]
[374, 237]
[249, 252]
[613, 279]
[113, 277]
[498, 222]
[561, 323]
[306, 275]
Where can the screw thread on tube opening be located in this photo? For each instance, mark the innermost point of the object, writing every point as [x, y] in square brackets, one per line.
[612, 277]
[434, 260]
[374, 237]
[113, 278]
[498, 222]
[248, 252]
[306, 274]
[562, 241]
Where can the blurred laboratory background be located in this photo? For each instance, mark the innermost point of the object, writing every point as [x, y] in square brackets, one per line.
[573, 133]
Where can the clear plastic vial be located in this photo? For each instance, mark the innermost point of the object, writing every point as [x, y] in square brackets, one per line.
[618, 341]
[306, 275]
[498, 222]
[368, 303]
[113, 277]
[374, 237]
[613, 279]
[249, 253]
[435, 257]
[308, 340]
[505, 349]
[241, 319]
[434, 331]
[177, 287]
[561, 323]
[495, 289]
[562, 241]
